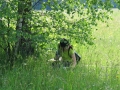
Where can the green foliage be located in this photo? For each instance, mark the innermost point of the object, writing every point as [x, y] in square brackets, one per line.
[7, 30]
[98, 69]
[72, 19]
[118, 3]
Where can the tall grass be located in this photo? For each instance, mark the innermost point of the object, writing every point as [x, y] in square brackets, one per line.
[99, 68]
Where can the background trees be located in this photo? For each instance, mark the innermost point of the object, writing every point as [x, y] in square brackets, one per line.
[24, 31]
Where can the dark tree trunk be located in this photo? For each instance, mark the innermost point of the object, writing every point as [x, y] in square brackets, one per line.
[9, 48]
[24, 44]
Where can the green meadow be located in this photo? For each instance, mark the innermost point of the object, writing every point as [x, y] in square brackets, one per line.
[99, 68]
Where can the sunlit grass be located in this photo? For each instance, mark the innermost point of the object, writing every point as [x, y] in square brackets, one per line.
[104, 57]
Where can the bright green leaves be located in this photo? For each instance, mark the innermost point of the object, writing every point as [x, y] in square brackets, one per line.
[67, 18]
[74, 18]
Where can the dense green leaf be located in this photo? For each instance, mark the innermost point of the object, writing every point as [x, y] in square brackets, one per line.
[19, 23]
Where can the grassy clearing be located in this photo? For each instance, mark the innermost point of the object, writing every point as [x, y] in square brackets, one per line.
[99, 68]
[104, 57]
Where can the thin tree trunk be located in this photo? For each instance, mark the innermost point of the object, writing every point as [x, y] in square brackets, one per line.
[23, 45]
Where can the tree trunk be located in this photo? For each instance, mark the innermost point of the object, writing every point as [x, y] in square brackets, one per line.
[23, 45]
